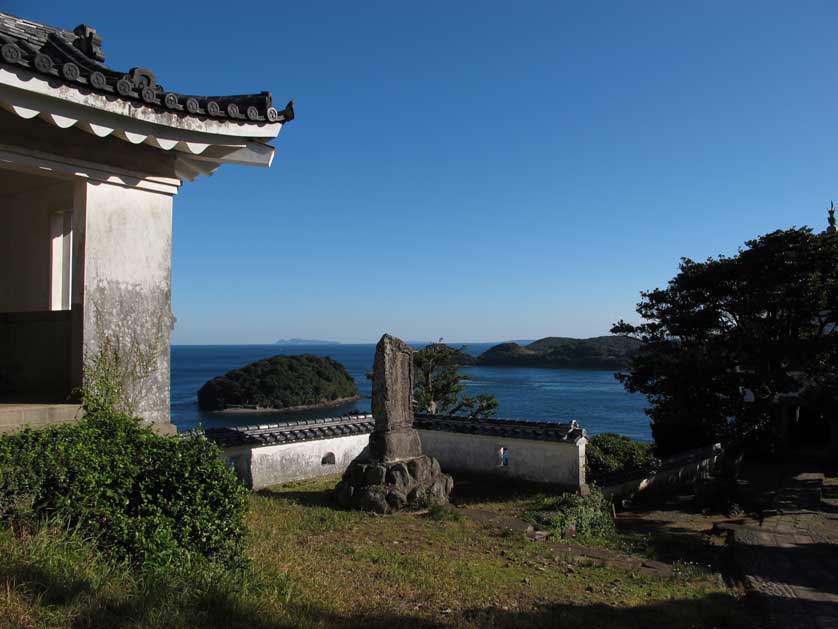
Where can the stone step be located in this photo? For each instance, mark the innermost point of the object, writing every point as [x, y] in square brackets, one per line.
[808, 479]
[14, 417]
[802, 491]
[830, 505]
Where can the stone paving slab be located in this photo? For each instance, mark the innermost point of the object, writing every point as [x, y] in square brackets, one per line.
[790, 557]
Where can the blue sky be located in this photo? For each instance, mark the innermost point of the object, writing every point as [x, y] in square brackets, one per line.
[481, 171]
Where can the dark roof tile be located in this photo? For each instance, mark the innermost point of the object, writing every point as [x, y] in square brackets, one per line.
[311, 430]
[512, 428]
[76, 58]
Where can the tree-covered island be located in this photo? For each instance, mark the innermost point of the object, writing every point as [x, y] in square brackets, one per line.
[280, 383]
[599, 352]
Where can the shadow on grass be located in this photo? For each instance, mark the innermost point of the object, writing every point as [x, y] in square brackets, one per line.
[50, 588]
[468, 490]
[669, 528]
[159, 606]
[153, 603]
[717, 610]
[473, 489]
[305, 498]
[670, 545]
[210, 612]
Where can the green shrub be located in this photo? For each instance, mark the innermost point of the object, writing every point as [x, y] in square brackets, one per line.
[145, 498]
[610, 453]
[570, 515]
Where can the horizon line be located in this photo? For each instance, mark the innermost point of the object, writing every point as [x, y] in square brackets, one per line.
[409, 341]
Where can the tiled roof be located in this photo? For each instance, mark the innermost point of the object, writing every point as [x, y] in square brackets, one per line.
[290, 432]
[313, 429]
[511, 428]
[76, 58]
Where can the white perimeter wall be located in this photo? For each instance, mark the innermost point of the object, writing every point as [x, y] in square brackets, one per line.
[274, 465]
[549, 462]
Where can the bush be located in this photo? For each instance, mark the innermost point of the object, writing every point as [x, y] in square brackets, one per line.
[610, 453]
[145, 498]
[570, 515]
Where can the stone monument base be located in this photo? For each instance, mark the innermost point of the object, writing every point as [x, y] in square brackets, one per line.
[387, 487]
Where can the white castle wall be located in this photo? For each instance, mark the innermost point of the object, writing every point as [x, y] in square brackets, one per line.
[560, 463]
[264, 466]
[551, 462]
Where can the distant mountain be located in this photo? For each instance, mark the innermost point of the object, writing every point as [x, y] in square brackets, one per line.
[304, 342]
[599, 352]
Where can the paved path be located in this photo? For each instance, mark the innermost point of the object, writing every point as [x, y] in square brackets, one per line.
[790, 557]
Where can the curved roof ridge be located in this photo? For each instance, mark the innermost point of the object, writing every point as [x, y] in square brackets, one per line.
[76, 58]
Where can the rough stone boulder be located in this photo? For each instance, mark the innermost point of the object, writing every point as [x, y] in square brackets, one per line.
[396, 475]
[389, 487]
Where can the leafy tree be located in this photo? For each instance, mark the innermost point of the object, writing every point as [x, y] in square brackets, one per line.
[729, 336]
[439, 385]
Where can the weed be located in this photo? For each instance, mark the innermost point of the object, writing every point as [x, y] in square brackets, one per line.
[443, 513]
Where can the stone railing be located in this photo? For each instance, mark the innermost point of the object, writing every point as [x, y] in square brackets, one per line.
[675, 471]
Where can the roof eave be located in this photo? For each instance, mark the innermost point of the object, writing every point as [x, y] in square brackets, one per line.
[202, 145]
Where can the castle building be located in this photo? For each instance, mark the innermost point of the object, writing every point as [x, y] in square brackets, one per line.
[91, 159]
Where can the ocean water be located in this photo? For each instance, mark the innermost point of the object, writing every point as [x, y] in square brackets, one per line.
[593, 398]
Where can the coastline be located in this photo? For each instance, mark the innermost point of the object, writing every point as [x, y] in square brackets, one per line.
[245, 410]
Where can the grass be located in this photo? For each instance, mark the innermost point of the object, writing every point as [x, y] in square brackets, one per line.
[54, 578]
[315, 566]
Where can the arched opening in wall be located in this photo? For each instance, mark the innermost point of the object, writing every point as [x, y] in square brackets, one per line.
[328, 459]
[503, 456]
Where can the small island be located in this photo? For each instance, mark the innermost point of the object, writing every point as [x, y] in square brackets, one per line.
[297, 341]
[280, 384]
[599, 352]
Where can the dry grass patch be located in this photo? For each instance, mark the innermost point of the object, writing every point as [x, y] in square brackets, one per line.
[415, 569]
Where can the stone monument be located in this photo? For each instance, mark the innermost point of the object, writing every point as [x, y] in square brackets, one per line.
[396, 475]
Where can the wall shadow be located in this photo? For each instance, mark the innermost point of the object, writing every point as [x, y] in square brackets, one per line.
[305, 498]
[472, 489]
